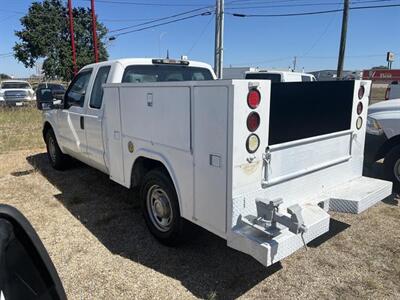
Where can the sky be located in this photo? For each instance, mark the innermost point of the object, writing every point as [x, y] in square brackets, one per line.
[251, 41]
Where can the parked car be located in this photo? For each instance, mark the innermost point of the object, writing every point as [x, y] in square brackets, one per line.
[57, 91]
[393, 91]
[16, 93]
[383, 137]
[256, 163]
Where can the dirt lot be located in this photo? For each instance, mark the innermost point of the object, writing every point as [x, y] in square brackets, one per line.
[98, 241]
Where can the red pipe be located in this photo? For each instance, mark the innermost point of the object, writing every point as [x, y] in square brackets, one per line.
[71, 31]
[94, 24]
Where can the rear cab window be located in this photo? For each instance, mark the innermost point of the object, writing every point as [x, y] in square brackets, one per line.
[266, 76]
[164, 73]
[305, 78]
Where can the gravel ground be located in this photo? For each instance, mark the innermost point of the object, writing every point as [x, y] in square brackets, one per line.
[101, 248]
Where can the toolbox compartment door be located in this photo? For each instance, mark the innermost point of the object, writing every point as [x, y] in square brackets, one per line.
[210, 155]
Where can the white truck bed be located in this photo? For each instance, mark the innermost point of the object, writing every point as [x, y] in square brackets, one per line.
[197, 130]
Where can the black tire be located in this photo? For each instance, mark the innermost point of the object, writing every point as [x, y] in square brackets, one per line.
[392, 165]
[154, 181]
[57, 159]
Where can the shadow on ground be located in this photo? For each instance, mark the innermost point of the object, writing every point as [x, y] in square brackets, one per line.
[204, 265]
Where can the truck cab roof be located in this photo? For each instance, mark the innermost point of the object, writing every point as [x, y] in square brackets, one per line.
[124, 62]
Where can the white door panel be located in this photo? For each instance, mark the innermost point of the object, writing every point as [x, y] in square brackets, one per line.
[71, 121]
[94, 120]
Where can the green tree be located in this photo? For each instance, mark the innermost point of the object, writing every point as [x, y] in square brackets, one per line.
[379, 67]
[45, 35]
[4, 76]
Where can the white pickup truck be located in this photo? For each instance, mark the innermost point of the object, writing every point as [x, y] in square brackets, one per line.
[16, 93]
[383, 137]
[393, 91]
[256, 164]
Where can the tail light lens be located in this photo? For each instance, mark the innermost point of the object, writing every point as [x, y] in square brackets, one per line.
[387, 94]
[253, 121]
[359, 123]
[361, 92]
[253, 98]
[252, 143]
[360, 108]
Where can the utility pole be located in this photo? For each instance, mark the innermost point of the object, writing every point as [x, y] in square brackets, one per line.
[342, 48]
[219, 38]
[94, 27]
[71, 31]
[294, 63]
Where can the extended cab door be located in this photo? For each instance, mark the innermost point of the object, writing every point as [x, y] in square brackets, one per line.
[94, 120]
[71, 123]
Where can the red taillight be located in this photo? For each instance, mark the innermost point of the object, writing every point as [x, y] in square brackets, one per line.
[253, 98]
[387, 94]
[361, 92]
[253, 121]
[360, 107]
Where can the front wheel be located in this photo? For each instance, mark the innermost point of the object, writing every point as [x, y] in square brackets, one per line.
[392, 165]
[57, 159]
[160, 208]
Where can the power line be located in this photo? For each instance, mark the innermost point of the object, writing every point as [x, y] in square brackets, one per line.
[319, 38]
[164, 23]
[310, 57]
[304, 4]
[200, 35]
[312, 12]
[161, 19]
[146, 3]
[127, 20]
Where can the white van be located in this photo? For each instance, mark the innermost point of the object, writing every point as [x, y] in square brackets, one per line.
[280, 76]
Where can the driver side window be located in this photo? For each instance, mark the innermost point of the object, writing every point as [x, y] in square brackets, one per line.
[75, 95]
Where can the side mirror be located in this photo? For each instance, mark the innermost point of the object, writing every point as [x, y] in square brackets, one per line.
[44, 98]
[26, 270]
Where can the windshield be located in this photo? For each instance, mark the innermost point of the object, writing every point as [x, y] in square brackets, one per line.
[52, 86]
[15, 85]
[160, 73]
[267, 76]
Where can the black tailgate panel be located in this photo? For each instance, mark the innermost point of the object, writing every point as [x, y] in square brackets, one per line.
[305, 109]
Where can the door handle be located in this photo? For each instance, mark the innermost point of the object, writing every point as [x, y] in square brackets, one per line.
[82, 122]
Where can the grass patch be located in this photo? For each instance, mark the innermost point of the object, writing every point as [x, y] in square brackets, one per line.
[377, 94]
[20, 128]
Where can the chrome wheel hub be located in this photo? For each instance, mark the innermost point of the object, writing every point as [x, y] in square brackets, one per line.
[159, 208]
[52, 149]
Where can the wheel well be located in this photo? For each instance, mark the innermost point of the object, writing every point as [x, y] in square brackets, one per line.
[143, 165]
[387, 146]
[46, 127]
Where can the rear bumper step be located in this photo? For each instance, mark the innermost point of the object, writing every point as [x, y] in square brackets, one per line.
[358, 194]
[269, 250]
[354, 196]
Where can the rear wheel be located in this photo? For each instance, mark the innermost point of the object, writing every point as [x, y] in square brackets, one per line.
[160, 207]
[392, 165]
[57, 159]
